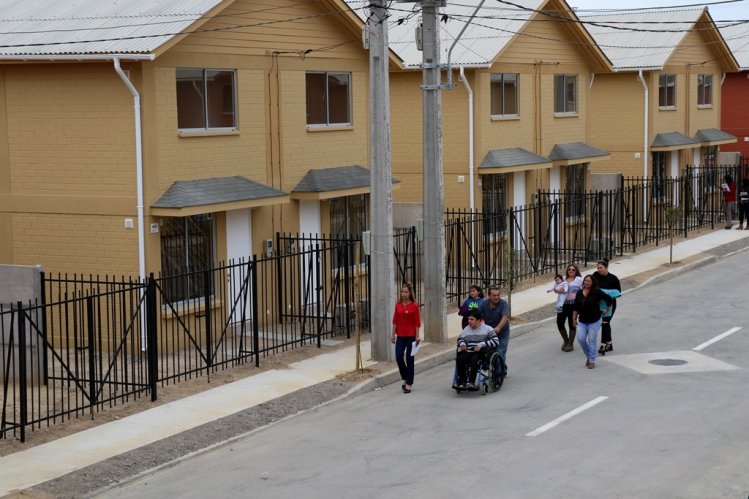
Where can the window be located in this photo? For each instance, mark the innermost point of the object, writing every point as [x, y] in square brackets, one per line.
[704, 90]
[659, 175]
[186, 246]
[328, 98]
[667, 90]
[349, 216]
[576, 191]
[504, 94]
[494, 202]
[206, 99]
[565, 93]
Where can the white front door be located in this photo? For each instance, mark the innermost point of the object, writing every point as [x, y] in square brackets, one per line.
[238, 250]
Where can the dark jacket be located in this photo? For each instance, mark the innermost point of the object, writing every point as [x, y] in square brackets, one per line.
[588, 308]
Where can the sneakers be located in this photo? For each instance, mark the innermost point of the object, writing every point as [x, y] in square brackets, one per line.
[470, 386]
[559, 309]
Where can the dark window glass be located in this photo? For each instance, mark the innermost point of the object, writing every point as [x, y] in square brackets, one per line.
[667, 90]
[576, 189]
[186, 247]
[504, 94]
[328, 98]
[704, 90]
[565, 93]
[205, 99]
[494, 202]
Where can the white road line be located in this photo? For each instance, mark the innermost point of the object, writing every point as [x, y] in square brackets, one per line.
[717, 338]
[562, 419]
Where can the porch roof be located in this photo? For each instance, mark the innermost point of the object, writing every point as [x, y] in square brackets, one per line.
[713, 137]
[339, 181]
[514, 159]
[209, 195]
[573, 153]
[672, 141]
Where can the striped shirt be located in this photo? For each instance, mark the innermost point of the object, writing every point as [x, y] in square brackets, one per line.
[482, 336]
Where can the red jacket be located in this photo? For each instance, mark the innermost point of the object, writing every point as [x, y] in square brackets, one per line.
[406, 319]
[730, 195]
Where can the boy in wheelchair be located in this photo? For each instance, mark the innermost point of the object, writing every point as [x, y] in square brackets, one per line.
[476, 339]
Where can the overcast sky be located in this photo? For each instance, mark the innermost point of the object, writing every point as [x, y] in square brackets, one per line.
[719, 12]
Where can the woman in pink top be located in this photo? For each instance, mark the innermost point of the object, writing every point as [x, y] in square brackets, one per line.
[406, 324]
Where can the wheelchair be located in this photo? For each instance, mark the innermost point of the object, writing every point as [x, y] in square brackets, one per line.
[490, 376]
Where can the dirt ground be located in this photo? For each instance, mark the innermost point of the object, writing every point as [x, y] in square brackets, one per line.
[123, 466]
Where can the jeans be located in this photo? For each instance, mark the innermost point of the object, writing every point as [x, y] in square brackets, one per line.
[504, 342]
[404, 358]
[466, 360]
[587, 337]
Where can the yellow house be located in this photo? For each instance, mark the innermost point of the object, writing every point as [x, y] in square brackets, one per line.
[152, 135]
[517, 117]
[659, 110]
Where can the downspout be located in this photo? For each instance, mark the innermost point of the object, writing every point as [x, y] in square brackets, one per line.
[471, 198]
[645, 153]
[138, 167]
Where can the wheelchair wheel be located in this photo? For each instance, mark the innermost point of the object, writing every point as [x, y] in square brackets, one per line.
[484, 388]
[495, 370]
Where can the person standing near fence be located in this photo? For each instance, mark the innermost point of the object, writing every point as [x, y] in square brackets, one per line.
[729, 199]
[406, 324]
[496, 313]
[744, 205]
[606, 280]
[574, 282]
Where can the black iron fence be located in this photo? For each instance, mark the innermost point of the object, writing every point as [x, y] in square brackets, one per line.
[91, 343]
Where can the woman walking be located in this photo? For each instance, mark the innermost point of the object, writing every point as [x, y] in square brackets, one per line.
[587, 317]
[607, 281]
[406, 324]
[574, 283]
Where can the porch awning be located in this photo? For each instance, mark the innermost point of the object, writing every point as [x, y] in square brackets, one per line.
[511, 160]
[672, 141]
[339, 181]
[713, 137]
[574, 153]
[210, 195]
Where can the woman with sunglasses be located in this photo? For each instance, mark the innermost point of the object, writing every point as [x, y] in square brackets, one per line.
[574, 283]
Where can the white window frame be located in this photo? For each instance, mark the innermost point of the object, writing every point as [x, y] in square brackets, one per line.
[499, 78]
[206, 114]
[564, 80]
[664, 81]
[705, 90]
[327, 123]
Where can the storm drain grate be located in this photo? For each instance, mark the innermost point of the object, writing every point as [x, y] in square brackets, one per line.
[667, 362]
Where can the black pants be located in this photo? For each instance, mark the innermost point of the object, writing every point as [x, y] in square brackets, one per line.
[566, 316]
[743, 213]
[606, 325]
[467, 359]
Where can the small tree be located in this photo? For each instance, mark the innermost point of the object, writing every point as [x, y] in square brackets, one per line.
[673, 214]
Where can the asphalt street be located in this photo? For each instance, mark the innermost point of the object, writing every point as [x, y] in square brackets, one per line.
[632, 427]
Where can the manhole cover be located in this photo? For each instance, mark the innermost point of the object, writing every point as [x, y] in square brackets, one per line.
[667, 362]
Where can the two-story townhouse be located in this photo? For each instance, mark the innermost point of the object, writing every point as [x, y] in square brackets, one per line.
[659, 110]
[516, 119]
[152, 135]
[734, 111]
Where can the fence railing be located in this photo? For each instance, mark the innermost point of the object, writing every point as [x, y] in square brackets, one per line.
[90, 343]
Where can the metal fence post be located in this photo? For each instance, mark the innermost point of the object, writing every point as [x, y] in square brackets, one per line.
[208, 320]
[348, 250]
[255, 312]
[151, 338]
[91, 340]
[22, 375]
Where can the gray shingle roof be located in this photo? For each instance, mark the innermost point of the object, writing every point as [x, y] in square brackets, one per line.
[671, 139]
[712, 135]
[514, 156]
[335, 179]
[574, 150]
[186, 193]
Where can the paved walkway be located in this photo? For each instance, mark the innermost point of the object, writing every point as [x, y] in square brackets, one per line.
[47, 461]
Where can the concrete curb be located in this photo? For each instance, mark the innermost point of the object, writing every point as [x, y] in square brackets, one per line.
[448, 354]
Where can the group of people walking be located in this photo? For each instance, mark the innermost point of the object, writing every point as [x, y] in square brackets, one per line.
[584, 307]
[588, 307]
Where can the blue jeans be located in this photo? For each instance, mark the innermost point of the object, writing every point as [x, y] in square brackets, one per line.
[504, 342]
[404, 358]
[587, 337]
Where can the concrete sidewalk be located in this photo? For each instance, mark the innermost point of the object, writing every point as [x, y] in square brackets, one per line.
[47, 461]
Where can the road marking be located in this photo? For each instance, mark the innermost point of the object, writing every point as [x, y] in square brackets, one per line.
[717, 338]
[565, 417]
